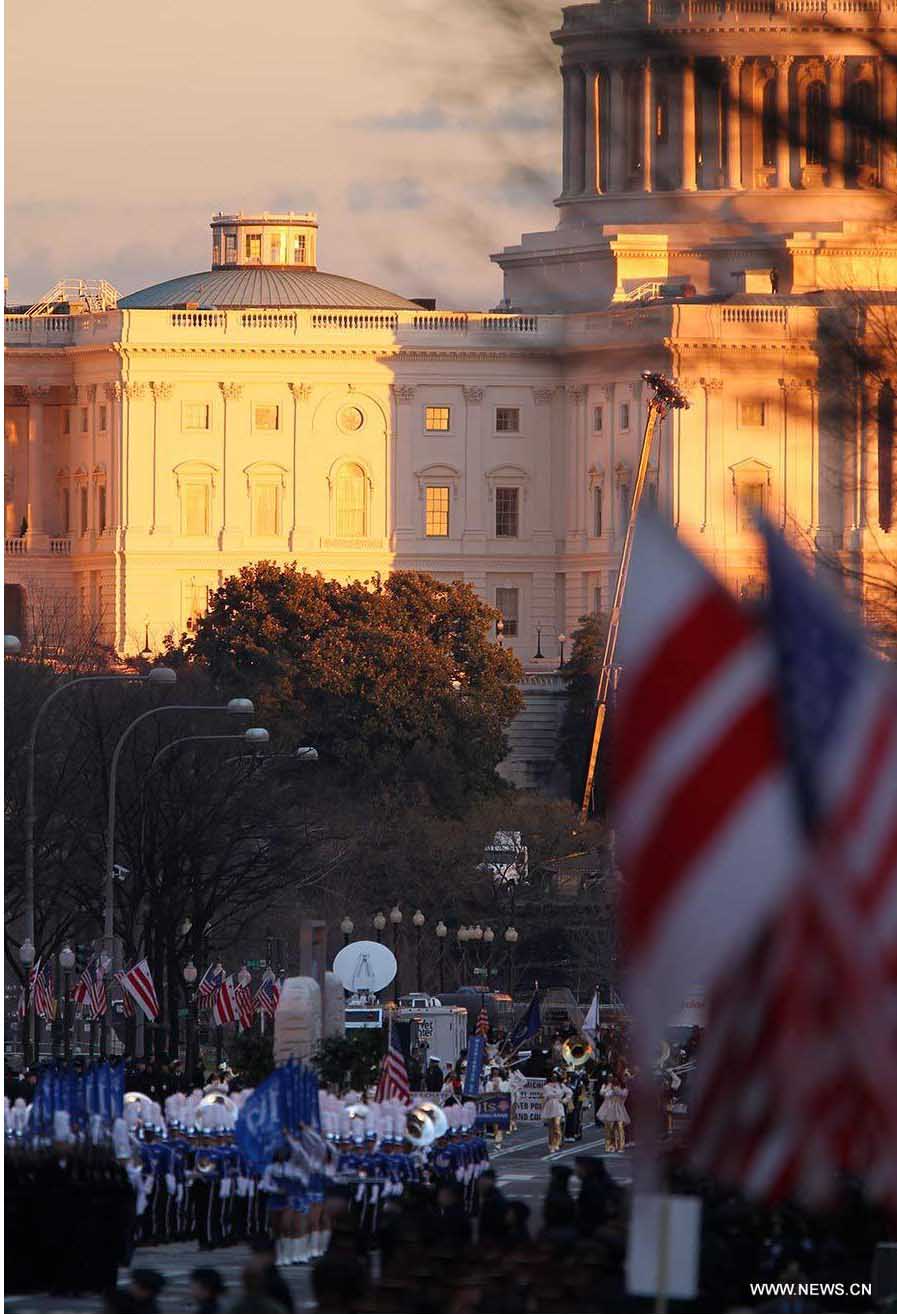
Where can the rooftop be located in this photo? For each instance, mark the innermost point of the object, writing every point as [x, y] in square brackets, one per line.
[264, 287]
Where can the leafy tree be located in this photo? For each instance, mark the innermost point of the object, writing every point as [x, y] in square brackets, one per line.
[394, 681]
[251, 1056]
[350, 1062]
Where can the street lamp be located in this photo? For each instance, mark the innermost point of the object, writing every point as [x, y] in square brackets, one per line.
[66, 962]
[395, 916]
[511, 938]
[12, 645]
[26, 958]
[488, 937]
[235, 707]
[379, 923]
[441, 932]
[190, 975]
[418, 921]
[159, 677]
[463, 934]
[562, 639]
[347, 926]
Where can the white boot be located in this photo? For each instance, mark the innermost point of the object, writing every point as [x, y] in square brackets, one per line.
[280, 1253]
[323, 1242]
[303, 1249]
[295, 1243]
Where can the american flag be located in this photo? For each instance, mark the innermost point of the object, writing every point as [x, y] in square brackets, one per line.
[128, 1007]
[44, 993]
[21, 1004]
[267, 997]
[243, 1000]
[137, 982]
[224, 1009]
[209, 983]
[756, 797]
[97, 995]
[482, 1026]
[81, 992]
[393, 1083]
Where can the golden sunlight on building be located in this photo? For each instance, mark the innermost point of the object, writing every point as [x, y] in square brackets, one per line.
[266, 409]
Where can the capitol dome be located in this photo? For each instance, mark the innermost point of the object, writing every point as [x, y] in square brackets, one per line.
[265, 260]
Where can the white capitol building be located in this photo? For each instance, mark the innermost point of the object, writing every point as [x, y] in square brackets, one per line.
[264, 409]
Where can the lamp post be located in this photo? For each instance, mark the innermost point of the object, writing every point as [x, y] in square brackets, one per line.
[66, 962]
[379, 923]
[463, 934]
[26, 958]
[562, 639]
[236, 707]
[538, 655]
[418, 921]
[158, 677]
[395, 916]
[347, 926]
[190, 975]
[488, 938]
[500, 631]
[12, 645]
[511, 938]
[441, 933]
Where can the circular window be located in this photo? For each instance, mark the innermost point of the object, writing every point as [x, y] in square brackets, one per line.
[350, 419]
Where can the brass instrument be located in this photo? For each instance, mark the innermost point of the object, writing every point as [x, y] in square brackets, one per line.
[204, 1164]
[576, 1053]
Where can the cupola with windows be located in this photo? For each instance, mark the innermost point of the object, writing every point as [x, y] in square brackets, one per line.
[275, 241]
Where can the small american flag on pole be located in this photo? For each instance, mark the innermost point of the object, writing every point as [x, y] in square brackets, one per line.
[209, 983]
[137, 982]
[482, 1026]
[268, 994]
[127, 1000]
[97, 995]
[243, 1000]
[44, 993]
[224, 1009]
[393, 1083]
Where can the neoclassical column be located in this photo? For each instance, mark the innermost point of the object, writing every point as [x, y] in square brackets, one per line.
[112, 392]
[161, 392]
[617, 145]
[475, 466]
[577, 123]
[792, 390]
[301, 394]
[231, 392]
[783, 121]
[575, 396]
[889, 123]
[689, 127]
[565, 144]
[837, 133]
[132, 392]
[869, 511]
[37, 396]
[734, 65]
[593, 130]
[712, 388]
[647, 126]
[543, 472]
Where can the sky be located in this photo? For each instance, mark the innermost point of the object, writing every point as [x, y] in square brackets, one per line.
[425, 133]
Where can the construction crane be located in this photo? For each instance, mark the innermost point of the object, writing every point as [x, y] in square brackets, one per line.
[95, 295]
[666, 397]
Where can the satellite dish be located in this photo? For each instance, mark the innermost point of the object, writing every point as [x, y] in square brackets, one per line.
[365, 965]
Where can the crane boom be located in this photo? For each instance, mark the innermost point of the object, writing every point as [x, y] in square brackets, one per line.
[666, 397]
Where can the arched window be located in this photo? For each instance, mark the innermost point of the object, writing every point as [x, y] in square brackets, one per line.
[861, 124]
[351, 502]
[817, 130]
[886, 491]
[769, 123]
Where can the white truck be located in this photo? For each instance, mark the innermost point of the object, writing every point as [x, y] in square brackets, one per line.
[438, 1030]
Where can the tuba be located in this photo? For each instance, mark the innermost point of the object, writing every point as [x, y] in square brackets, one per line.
[576, 1053]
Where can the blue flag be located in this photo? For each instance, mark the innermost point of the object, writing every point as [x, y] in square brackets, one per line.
[528, 1026]
[476, 1052]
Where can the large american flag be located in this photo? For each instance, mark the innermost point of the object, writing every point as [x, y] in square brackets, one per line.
[137, 982]
[97, 994]
[224, 1009]
[243, 1001]
[44, 993]
[393, 1083]
[756, 784]
[482, 1026]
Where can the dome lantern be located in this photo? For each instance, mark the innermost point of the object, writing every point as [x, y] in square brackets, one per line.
[271, 241]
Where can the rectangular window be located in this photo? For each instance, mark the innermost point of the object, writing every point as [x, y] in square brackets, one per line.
[82, 499]
[751, 499]
[101, 508]
[195, 415]
[437, 419]
[598, 419]
[102, 419]
[266, 417]
[507, 512]
[624, 415]
[625, 502]
[253, 246]
[195, 499]
[196, 602]
[84, 419]
[299, 249]
[597, 510]
[507, 601]
[507, 419]
[651, 493]
[101, 604]
[265, 507]
[275, 249]
[230, 248]
[752, 414]
[66, 511]
[66, 420]
[596, 601]
[437, 512]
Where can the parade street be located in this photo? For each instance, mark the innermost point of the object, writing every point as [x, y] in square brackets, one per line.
[522, 1167]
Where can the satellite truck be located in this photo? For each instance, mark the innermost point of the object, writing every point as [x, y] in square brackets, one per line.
[436, 1028]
